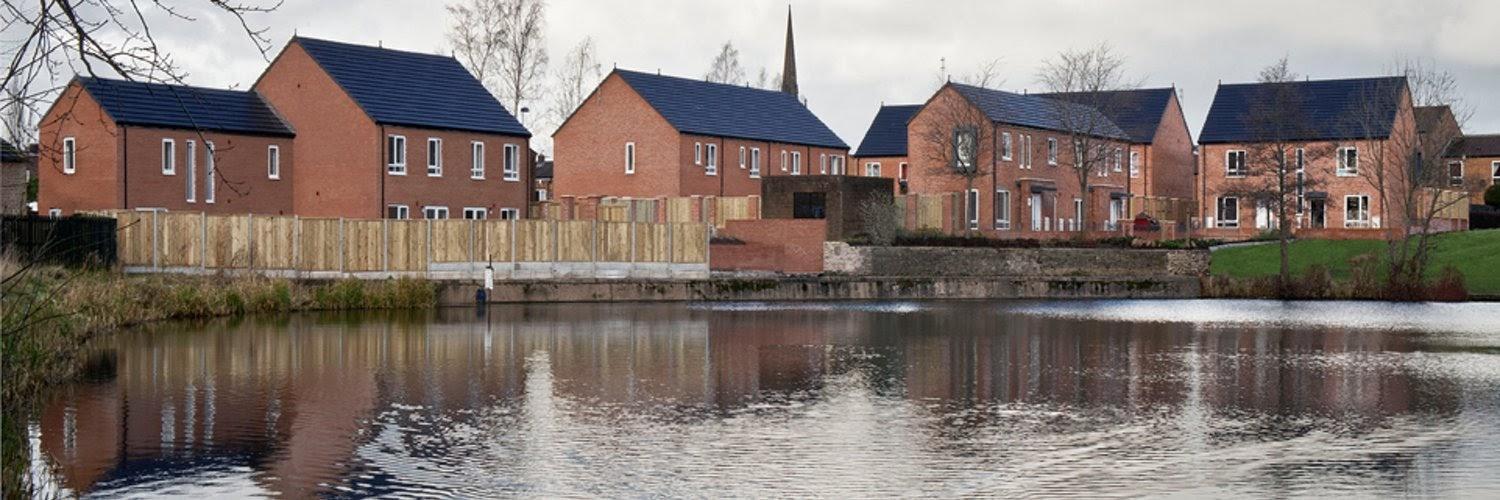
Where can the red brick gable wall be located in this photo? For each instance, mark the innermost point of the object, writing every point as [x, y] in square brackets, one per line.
[589, 149]
[338, 147]
[1170, 158]
[97, 183]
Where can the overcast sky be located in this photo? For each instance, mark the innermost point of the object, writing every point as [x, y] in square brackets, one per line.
[854, 54]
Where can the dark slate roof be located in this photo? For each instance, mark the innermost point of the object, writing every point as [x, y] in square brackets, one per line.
[543, 169]
[699, 107]
[1360, 108]
[11, 154]
[179, 106]
[1138, 111]
[1479, 146]
[412, 89]
[1430, 117]
[1034, 111]
[887, 134]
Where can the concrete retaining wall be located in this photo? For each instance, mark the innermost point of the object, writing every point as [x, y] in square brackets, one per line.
[845, 259]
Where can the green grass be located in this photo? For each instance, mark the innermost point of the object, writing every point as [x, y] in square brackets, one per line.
[1476, 254]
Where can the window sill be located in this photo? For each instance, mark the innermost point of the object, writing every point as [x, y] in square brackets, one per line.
[480, 178]
[168, 173]
[439, 174]
[273, 177]
[1346, 174]
[512, 179]
[390, 172]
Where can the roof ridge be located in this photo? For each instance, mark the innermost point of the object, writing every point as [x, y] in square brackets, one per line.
[1325, 80]
[705, 82]
[373, 47]
[159, 84]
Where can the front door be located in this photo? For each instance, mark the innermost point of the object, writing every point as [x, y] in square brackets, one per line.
[1319, 217]
[1116, 212]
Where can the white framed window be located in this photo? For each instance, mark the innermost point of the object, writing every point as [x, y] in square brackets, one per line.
[1135, 164]
[210, 171]
[1455, 173]
[971, 208]
[509, 214]
[1234, 164]
[755, 163]
[1228, 212]
[510, 169]
[796, 163]
[1348, 165]
[168, 157]
[697, 153]
[273, 162]
[1002, 210]
[1029, 152]
[1495, 172]
[400, 212]
[1052, 151]
[476, 213]
[1077, 214]
[1357, 211]
[1005, 147]
[434, 157]
[434, 212]
[838, 165]
[54, 213]
[785, 162]
[70, 155]
[476, 160]
[823, 164]
[1301, 180]
[629, 158]
[872, 169]
[901, 171]
[711, 165]
[192, 171]
[743, 159]
[395, 153]
[1119, 159]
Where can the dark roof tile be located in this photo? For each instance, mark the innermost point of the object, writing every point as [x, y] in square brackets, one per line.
[887, 134]
[412, 89]
[1359, 108]
[1035, 111]
[179, 106]
[1482, 146]
[716, 109]
[1138, 111]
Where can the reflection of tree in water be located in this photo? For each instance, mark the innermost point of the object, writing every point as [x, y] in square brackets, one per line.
[527, 396]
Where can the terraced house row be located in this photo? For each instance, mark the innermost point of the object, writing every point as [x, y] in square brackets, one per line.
[328, 130]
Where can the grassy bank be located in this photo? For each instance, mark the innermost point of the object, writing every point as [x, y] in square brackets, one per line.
[1474, 254]
[50, 313]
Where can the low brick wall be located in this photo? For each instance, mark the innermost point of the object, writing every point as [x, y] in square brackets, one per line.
[849, 260]
[791, 246]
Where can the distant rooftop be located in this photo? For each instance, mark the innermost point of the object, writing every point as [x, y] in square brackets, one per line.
[1137, 111]
[1035, 111]
[887, 133]
[737, 111]
[1357, 108]
[184, 107]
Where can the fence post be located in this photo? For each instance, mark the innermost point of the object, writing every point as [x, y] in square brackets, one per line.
[341, 245]
[155, 240]
[671, 247]
[473, 224]
[556, 247]
[385, 245]
[296, 244]
[250, 242]
[427, 252]
[631, 237]
[594, 243]
[515, 257]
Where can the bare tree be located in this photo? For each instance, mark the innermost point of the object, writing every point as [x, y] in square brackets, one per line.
[576, 77]
[726, 66]
[504, 43]
[957, 135]
[18, 129]
[765, 80]
[1084, 81]
[1409, 169]
[1275, 160]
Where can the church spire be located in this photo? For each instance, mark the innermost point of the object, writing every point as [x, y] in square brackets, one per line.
[789, 71]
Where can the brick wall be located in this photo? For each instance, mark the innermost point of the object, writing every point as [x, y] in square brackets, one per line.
[455, 187]
[1044, 262]
[96, 184]
[242, 183]
[1170, 157]
[785, 246]
[842, 197]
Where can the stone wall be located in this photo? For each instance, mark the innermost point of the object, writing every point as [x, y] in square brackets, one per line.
[849, 260]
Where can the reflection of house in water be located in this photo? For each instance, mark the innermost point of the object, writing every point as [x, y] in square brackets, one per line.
[313, 401]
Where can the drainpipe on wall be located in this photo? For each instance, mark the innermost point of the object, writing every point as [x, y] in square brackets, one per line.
[380, 170]
[124, 165]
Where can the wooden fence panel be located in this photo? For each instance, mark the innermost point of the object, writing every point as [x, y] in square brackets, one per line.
[271, 244]
[364, 246]
[732, 208]
[651, 243]
[930, 212]
[496, 245]
[135, 237]
[455, 241]
[613, 241]
[689, 243]
[680, 209]
[534, 241]
[407, 245]
[318, 243]
[575, 241]
[228, 242]
[181, 239]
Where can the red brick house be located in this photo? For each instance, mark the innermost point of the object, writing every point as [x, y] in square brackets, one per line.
[1160, 158]
[1475, 162]
[389, 133]
[647, 135]
[1025, 184]
[1341, 126]
[882, 152]
[114, 144]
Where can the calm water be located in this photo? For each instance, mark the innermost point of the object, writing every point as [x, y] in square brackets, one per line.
[754, 400]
